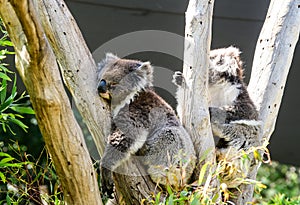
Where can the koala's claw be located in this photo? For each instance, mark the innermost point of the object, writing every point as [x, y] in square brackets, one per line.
[178, 78]
[107, 183]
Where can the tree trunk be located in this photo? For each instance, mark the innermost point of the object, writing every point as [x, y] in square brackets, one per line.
[77, 67]
[272, 61]
[195, 115]
[37, 66]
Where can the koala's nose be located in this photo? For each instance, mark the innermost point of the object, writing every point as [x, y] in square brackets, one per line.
[102, 87]
[102, 90]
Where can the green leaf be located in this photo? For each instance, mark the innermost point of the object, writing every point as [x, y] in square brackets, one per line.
[157, 198]
[6, 104]
[14, 88]
[3, 68]
[170, 192]
[4, 76]
[3, 154]
[6, 43]
[204, 155]
[3, 91]
[18, 122]
[5, 160]
[8, 201]
[23, 110]
[195, 201]
[171, 201]
[2, 177]
[202, 173]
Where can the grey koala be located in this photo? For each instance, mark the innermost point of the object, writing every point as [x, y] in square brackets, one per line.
[233, 115]
[143, 125]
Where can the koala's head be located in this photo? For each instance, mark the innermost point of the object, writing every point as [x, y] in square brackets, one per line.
[121, 79]
[225, 77]
[225, 66]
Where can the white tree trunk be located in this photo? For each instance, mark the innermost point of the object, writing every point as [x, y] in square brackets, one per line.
[273, 56]
[194, 111]
[272, 60]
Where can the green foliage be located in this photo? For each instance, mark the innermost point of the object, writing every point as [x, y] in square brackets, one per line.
[28, 180]
[276, 184]
[23, 178]
[11, 106]
[283, 184]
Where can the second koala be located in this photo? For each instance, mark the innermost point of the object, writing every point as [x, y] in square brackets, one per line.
[234, 118]
[143, 124]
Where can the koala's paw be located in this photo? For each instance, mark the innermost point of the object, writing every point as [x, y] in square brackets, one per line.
[217, 115]
[107, 183]
[178, 78]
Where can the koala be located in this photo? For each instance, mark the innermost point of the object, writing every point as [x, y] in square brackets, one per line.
[234, 117]
[143, 126]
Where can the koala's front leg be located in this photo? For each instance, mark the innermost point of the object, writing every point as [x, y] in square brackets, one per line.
[218, 120]
[241, 134]
[116, 152]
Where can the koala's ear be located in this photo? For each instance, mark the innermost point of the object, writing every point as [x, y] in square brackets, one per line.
[233, 51]
[109, 58]
[145, 66]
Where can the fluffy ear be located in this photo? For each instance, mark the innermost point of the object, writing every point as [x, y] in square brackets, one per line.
[233, 51]
[109, 58]
[145, 66]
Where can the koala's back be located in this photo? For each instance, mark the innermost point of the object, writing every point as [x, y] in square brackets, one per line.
[166, 144]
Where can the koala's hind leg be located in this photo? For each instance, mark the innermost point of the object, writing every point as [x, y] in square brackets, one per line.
[169, 156]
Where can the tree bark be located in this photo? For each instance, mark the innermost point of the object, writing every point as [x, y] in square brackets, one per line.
[272, 60]
[77, 67]
[195, 115]
[37, 66]
[79, 72]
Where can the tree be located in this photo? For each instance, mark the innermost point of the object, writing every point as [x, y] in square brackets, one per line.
[44, 33]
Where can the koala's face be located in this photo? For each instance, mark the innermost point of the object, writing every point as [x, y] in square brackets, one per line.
[225, 66]
[225, 76]
[121, 79]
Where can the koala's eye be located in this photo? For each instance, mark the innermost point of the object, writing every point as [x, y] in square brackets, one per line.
[102, 87]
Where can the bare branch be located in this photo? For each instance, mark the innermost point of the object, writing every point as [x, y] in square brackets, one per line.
[37, 66]
[272, 61]
[194, 111]
[273, 58]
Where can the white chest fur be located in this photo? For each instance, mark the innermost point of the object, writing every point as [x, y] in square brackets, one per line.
[223, 94]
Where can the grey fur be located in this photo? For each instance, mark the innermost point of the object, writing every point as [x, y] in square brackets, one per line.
[234, 117]
[143, 124]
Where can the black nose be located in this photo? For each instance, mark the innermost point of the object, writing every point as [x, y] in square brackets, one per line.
[102, 87]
